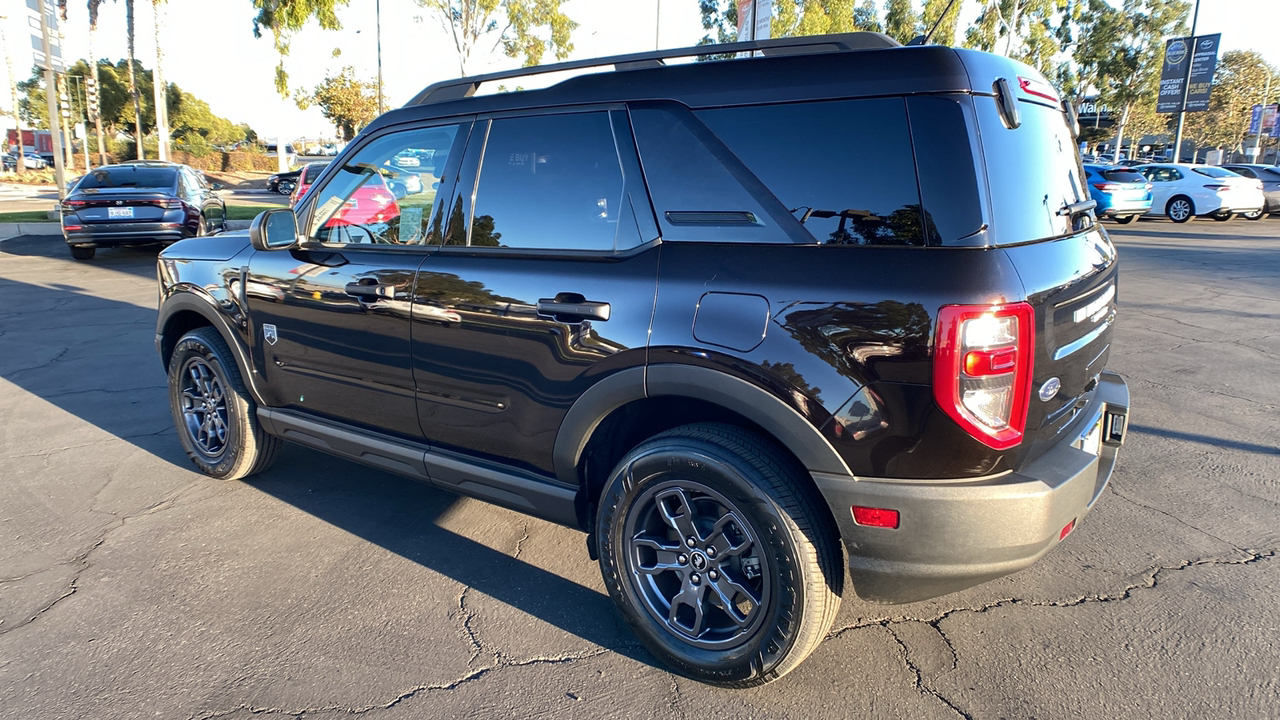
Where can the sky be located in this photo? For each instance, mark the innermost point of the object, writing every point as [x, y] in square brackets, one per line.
[212, 54]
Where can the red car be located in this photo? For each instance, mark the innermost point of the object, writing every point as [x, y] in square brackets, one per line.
[371, 203]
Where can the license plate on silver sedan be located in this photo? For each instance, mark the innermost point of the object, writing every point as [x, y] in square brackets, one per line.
[120, 212]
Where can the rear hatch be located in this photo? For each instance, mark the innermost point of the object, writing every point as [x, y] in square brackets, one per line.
[1123, 185]
[123, 194]
[1065, 260]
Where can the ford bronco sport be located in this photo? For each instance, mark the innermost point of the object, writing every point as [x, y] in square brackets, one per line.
[746, 323]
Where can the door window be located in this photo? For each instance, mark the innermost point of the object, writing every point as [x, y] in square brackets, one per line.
[551, 182]
[377, 197]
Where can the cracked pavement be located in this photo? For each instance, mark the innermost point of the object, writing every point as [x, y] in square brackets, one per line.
[130, 585]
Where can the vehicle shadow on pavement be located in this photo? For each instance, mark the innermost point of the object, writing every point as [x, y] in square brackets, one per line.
[95, 358]
[1206, 440]
[403, 516]
[134, 260]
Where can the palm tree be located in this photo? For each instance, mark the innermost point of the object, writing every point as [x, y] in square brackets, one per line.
[158, 85]
[133, 85]
[93, 68]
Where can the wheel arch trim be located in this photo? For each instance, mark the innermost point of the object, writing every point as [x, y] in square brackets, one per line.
[189, 302]
[777, 418]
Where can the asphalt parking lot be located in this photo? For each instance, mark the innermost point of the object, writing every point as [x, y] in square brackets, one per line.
[132, 586]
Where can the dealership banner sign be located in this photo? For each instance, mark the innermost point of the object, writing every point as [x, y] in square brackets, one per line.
[1200, 54]
[1263, 120]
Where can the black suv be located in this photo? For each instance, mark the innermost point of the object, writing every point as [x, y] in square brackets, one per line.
[744, 322]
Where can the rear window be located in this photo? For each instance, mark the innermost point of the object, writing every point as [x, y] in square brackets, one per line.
[1124, 176]
[1033, 171]
[311, 172]
[1268, 174]
[133, 177]
[1214, 172]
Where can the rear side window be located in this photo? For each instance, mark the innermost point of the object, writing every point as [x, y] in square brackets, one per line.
[1269, 175]
[550, 182]
[121, 177]
[814, 158]
[1033, 171]
[1214, 172]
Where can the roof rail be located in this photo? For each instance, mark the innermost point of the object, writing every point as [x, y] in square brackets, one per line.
[467, 86]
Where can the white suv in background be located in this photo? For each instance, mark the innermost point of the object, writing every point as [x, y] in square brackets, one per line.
[1181, 191]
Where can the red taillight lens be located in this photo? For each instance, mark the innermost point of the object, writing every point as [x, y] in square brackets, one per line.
[72, 205]
[983, 361]
[1107, 187]
[875, 517]
[172, 203]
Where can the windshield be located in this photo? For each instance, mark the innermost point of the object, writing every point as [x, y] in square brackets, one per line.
[1215, 172]
[131, 177]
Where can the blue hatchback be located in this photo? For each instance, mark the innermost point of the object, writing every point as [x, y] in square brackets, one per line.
[1122, 193]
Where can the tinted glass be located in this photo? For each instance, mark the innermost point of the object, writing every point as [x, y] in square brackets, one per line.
[1215, 172]
[1032, 171]
[812, 157]
[373, 200]
[1124, 176]
[699, 188]
[1247, 172]
[948, 172]
[1269, 175]
[126, 176]
[549, 182]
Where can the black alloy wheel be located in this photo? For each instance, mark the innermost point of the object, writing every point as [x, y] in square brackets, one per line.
[719, 554]
[285, 187]
[215, 416]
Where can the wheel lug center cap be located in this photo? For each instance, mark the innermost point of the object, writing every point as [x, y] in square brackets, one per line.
[698, 560]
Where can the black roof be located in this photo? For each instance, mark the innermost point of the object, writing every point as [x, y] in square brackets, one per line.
[793, 69]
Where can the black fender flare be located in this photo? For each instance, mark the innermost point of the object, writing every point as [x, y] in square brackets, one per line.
[204, 307]
[777, 418]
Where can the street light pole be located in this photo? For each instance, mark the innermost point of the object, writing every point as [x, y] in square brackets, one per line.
[1186, 81]
[1257, 140]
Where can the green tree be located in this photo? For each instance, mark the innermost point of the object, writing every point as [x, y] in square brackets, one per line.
[283, 18]
[719, 20]
[867, 17]
[524, 29]
[946, 32]
[347, 102]
[900, 20]
[1238, 84]
[1025, 30]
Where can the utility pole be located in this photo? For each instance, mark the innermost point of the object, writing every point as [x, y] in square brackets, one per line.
[19, 167]
[51, 96]
[377, 21]
[1186, 82]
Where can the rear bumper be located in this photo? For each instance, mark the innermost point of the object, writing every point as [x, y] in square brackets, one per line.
[956, 534]
[108, 235]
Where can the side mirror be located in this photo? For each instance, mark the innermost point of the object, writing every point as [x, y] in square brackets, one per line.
[275, 229]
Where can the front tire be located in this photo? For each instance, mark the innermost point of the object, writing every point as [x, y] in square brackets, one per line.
[1180, 209]
[285, 187]
[719, 554]
[215, 416]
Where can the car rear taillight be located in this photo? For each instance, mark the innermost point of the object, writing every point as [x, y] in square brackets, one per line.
[172, 203]
[73, 205]
[1107, 187]
[1037, 88]
[982, 367]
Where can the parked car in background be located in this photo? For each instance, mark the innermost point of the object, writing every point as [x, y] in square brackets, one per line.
[283, 183]
[1181, 192]
[139, 203]
[30, 161]
[329, 149]
[1269, 176]
[1122, 194]
[307, 175]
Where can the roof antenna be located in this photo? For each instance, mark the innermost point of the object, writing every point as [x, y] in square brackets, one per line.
[924, 39]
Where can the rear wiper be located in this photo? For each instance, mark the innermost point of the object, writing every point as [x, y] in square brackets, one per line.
[1077, 208]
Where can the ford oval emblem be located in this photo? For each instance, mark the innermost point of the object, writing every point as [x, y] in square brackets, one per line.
[1049, 389]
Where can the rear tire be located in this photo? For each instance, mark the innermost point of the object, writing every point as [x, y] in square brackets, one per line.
[216, 418]
[83, 252]
[1223, 216]
[1125, 219]
[1180, 209]
[719, 554]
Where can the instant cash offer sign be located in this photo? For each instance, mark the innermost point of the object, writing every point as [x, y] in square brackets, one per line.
[1201, 55]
